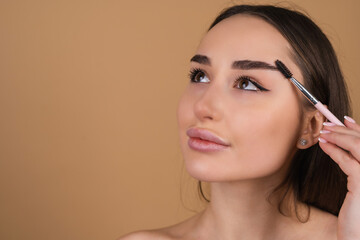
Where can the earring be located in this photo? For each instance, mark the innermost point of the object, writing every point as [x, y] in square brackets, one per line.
[303, 142]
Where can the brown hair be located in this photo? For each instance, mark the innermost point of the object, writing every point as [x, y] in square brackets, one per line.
[313, 177]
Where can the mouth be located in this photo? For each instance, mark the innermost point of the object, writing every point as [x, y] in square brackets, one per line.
[205, 141]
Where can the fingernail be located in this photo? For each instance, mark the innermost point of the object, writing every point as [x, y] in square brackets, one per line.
[322, 140]
[329, 124]
[324, 131]
[349, 119]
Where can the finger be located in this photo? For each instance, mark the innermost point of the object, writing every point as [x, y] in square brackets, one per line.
[343, 130]
[350, 123]
[351, 128]
[348, 142]
[345, 161]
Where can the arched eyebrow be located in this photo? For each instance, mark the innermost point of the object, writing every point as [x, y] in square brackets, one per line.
[240, 64]
[202, 59]
[248, 64]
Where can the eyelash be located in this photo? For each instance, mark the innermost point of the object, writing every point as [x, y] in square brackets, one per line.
[261, 88]
[195, 71]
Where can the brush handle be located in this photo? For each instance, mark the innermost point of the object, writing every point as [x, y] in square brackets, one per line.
[331, 117]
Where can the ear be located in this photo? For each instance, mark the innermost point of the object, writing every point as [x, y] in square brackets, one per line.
[310, 132]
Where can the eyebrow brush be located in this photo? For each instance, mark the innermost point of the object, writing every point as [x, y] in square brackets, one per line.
[286, 72]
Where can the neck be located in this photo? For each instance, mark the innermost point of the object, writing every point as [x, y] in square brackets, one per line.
[243, 210]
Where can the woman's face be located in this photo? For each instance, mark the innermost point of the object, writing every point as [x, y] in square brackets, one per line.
[231, 101]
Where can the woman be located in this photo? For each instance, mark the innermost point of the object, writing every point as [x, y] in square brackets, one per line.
[276, 171]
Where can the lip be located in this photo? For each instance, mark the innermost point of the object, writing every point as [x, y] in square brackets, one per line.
[204, 140]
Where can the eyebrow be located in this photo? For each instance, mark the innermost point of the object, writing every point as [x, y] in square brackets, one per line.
[240, 64]
[200, 59]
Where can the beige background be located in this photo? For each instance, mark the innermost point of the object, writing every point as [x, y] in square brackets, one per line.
[88, 96]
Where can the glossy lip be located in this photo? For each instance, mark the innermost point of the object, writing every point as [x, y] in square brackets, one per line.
[203, 140]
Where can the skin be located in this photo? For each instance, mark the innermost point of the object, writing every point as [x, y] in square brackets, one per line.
[246, 119]
[263, 130]
[334, 140]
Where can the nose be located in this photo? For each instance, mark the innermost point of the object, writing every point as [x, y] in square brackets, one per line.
[209, 104]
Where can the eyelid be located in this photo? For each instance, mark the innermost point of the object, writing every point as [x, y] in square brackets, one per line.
[253, 81]
[198, 68]
[194, 70]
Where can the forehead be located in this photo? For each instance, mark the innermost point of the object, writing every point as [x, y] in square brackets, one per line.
[244, 37]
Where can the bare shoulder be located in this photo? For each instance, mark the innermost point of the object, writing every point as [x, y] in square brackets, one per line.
[181, 230]
[325, 224]
[146, 235]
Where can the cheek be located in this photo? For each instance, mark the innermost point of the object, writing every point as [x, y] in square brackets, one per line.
[265, 137]
[184, 118]
[183, 113]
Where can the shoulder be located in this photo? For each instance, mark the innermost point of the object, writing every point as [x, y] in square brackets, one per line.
[182, 230]
[324, 224]
[146, 235]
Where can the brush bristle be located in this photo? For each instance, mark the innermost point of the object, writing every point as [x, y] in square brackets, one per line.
[283, 69]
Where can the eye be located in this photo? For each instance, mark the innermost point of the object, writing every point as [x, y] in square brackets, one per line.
[245, 83]
[197, 75]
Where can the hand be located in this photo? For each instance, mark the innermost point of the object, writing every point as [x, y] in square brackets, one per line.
[334, 140]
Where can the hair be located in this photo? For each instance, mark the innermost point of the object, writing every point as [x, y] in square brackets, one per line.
[313, 177]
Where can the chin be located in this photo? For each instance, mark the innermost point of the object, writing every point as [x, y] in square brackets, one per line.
[200, 171]
[206, 173]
